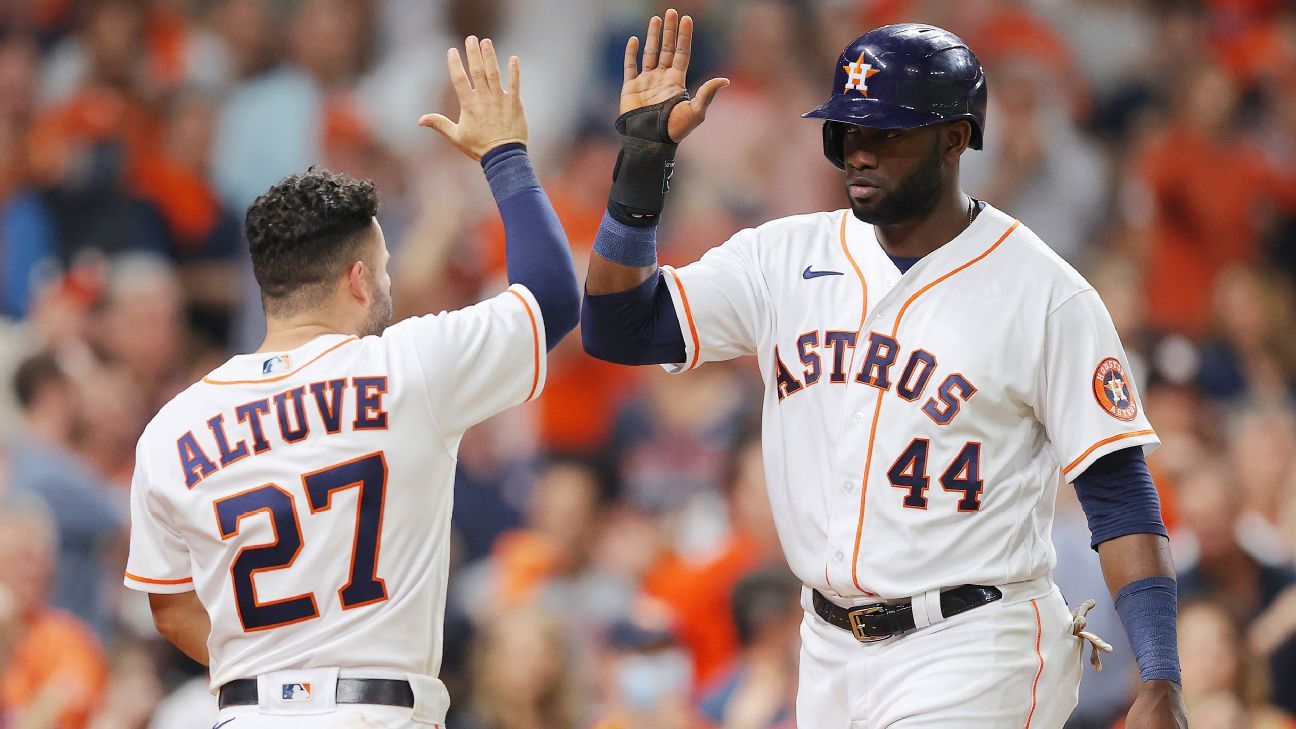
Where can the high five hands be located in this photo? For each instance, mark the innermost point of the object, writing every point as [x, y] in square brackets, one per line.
[661, 75]
[490, 114]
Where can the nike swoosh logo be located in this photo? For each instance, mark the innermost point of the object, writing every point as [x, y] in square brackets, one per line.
[223, 723]
[808, 274]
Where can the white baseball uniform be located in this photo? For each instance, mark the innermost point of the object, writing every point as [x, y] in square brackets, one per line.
[306, 497]
[915, 428]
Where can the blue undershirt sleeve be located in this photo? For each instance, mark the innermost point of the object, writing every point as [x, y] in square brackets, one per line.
[635, 327]
[535, 246]
[1118, 497]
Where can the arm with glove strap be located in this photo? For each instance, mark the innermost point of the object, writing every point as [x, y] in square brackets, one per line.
[628, 316]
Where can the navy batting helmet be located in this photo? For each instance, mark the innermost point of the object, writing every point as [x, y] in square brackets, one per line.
[900, 77]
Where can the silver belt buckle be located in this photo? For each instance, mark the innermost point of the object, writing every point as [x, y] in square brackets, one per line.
[856, 616]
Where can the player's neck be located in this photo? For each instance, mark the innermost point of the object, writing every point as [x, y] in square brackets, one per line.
[283, 335]
[920, 236]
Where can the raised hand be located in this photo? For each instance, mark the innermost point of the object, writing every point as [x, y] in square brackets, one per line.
[489, 114]
[666, 54]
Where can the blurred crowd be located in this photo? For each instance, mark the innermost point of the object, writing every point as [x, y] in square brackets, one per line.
[615, 564]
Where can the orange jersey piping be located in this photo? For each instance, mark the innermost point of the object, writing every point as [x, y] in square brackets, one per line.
[688, 314]
[1104, 442]
[877, 410]
[535, 336]
[1039, 633]
[151, 581]
[850, 367]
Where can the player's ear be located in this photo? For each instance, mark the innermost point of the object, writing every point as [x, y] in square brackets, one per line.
[955, 138]
[357, 272]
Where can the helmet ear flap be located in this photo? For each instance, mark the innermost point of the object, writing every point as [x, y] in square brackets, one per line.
[977, 140]
[833, 137]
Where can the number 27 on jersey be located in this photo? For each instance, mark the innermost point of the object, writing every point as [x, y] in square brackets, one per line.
[367, 474]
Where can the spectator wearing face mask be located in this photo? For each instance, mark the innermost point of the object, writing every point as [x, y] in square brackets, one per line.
[648, 675]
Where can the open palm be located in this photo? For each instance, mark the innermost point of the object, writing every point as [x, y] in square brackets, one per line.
[667, 48]
[490, 112]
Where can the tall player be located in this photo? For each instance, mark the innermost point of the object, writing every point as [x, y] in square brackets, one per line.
[291, 511]
[932, 369]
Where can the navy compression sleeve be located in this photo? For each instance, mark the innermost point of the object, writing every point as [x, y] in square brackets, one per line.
[1118, 497]
[634, 327]
[1149, 609]
[638, 326]
[535, 246]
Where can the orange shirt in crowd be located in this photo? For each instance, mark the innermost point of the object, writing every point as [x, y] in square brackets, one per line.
[1262, 51]
[167, 37]
[701, 595]
[58, 664]
[94, 115]
[186, 200]
[1208, 195]
[1167, 490]
[524, 561]
[583, 395]
[1018, 32]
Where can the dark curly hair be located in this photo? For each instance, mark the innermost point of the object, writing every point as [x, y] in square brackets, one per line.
[304, 232]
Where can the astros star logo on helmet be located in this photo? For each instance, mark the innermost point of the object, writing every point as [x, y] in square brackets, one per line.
[857, 73]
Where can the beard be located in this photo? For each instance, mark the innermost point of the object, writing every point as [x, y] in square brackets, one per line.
[915, 196]
[380, 315]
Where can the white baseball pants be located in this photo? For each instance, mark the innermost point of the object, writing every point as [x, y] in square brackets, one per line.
[1012, 663]
[343, 717]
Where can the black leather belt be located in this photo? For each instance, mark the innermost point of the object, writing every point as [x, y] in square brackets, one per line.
[380, 691]
[881, 621]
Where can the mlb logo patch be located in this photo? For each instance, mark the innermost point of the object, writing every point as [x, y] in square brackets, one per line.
[278, 363]
[296, 692]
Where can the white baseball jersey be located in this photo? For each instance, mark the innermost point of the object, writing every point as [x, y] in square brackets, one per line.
[306, 495]
[915, 425]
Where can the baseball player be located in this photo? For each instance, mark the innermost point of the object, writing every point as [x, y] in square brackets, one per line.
[932, 370]
[291, 511]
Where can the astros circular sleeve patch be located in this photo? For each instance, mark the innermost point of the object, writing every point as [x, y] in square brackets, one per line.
[1112, 390]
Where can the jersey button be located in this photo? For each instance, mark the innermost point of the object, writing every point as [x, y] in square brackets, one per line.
[858, 417]
[849, 486]
[839, 556]
[890, 280]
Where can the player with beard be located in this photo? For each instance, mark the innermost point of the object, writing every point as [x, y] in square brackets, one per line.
[290, 512]
[920, 338]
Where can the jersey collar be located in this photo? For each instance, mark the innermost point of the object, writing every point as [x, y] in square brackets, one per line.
[261, 367]
[985, 229]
